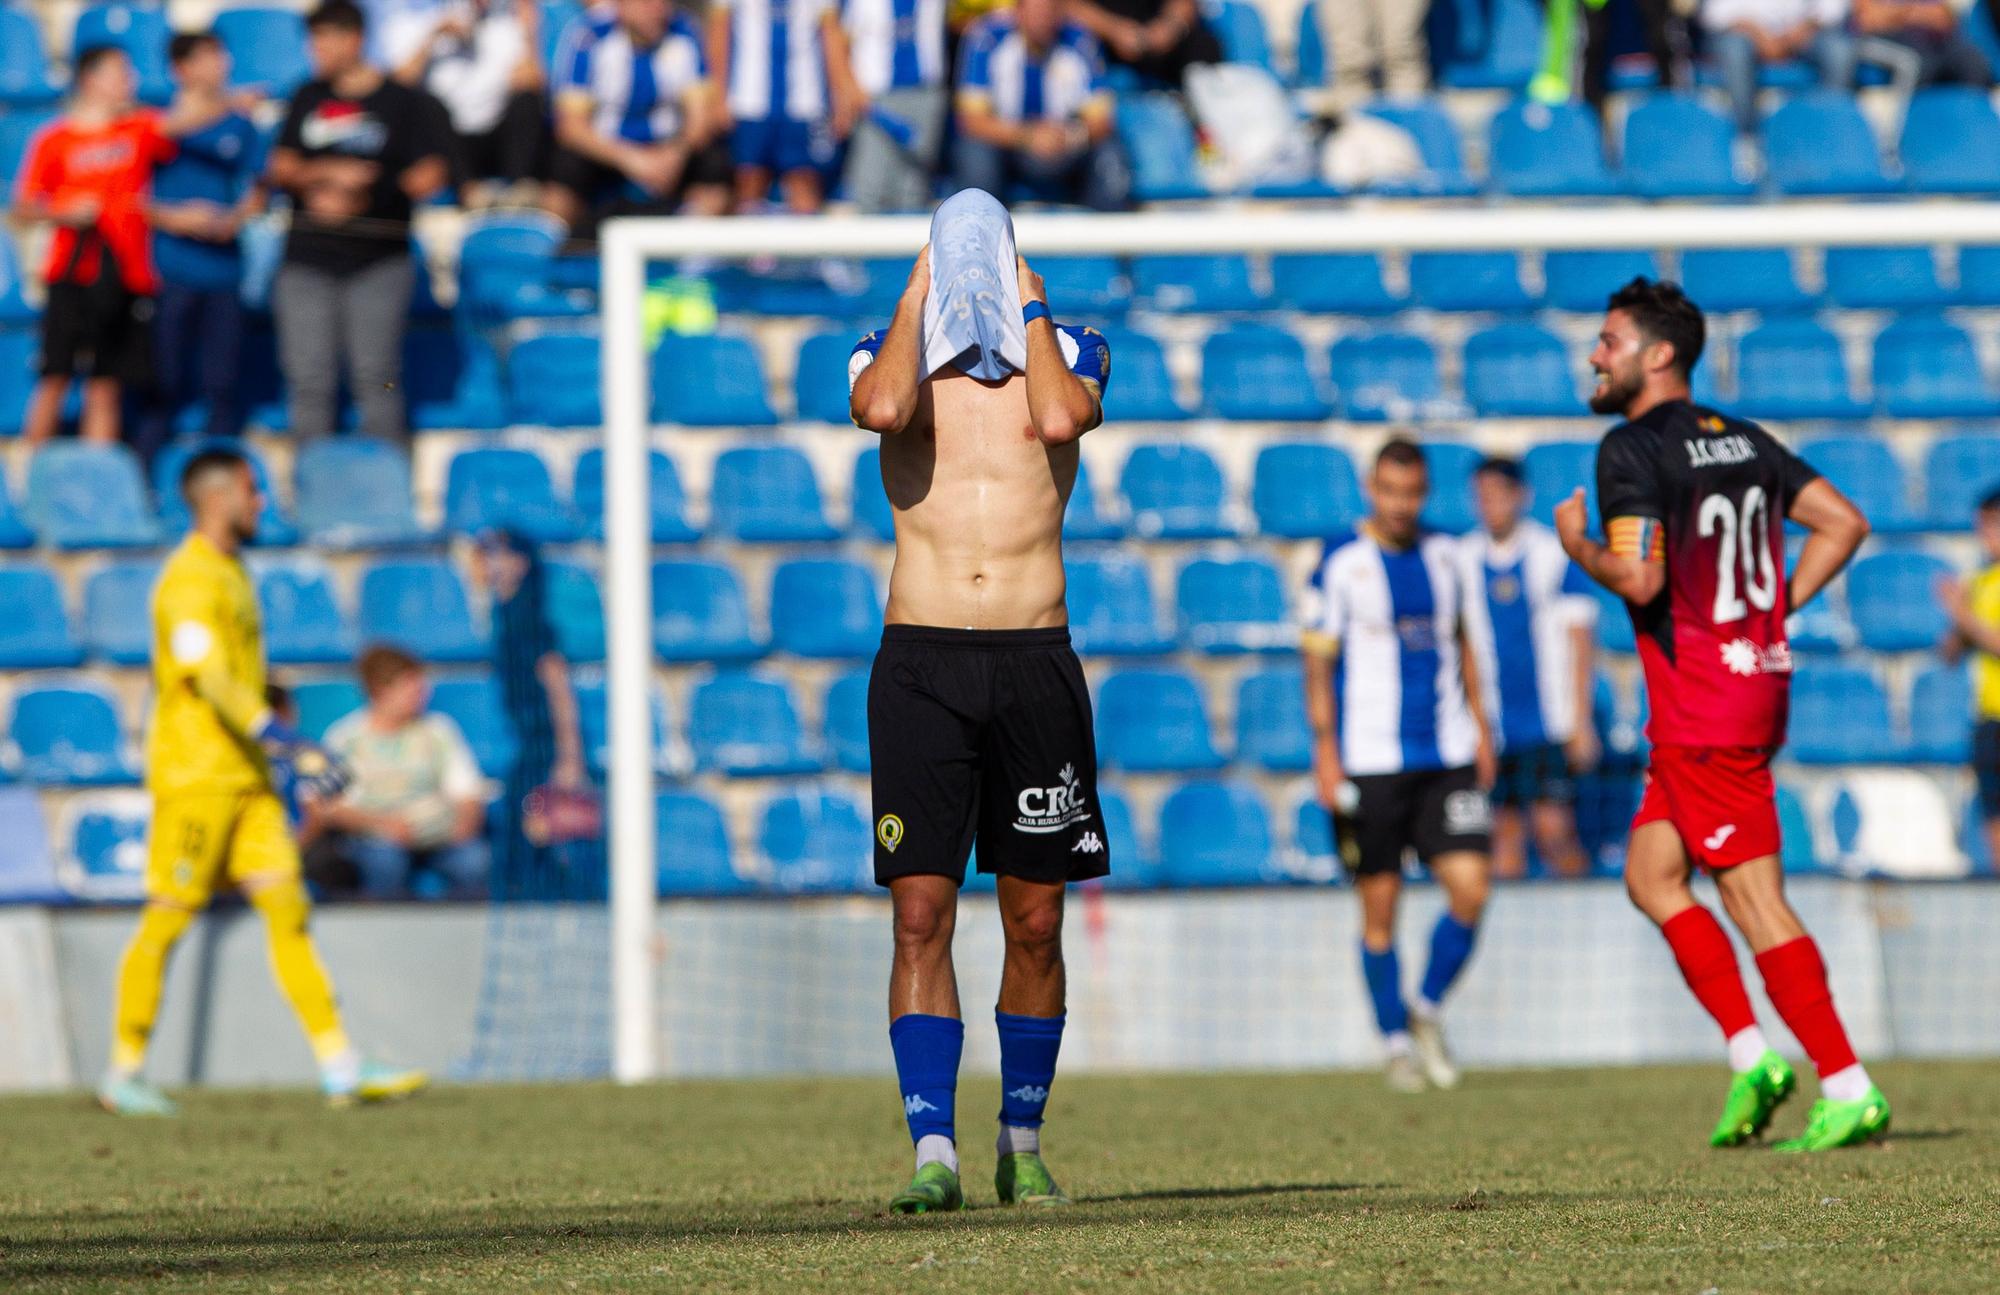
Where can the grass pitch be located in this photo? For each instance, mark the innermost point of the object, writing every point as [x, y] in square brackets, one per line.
[1593, 1181]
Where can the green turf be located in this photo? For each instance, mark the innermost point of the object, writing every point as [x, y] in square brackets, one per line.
[1591, 1181]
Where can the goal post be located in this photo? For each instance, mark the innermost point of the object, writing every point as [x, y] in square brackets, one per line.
[629, 245]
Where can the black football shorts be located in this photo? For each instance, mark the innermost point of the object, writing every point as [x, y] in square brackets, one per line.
[1429, 811]
[983, 735]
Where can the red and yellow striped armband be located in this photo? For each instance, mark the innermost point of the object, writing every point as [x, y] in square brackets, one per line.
[1638, 537]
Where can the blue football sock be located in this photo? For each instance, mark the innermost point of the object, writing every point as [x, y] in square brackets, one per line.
[927, 1051]
[1451, 945]
[1385, 987]
[1028, 1047]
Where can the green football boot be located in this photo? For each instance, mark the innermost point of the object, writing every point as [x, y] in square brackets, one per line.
[934, 1190]
[1022, 1179]
[1754, 1096]
[1842, 1124]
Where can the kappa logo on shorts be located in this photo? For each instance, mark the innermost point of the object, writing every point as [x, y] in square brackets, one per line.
[1467, 813]
[1051, 809]
[889, 831]
[1088, 843]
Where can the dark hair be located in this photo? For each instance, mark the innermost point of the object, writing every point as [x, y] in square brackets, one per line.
[344, 14]
[382, 664]
[90, 56]
[279, 698]
[185, 45]
[206, 461]
[1499, 466]
[1990, 501]
[1403, 452]
[1664, 314]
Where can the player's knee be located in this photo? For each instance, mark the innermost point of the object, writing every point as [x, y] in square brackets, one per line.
[1036, 928]
[163, 924]
[283, 904]
[922, 923]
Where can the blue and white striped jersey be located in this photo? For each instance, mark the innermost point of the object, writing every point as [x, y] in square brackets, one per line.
[1392, 617]
[635, 94]
[777, 64]
[1523, 597]
[896, 44]
[996, 66]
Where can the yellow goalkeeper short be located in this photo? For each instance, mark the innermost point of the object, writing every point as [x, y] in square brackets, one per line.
[198, 841]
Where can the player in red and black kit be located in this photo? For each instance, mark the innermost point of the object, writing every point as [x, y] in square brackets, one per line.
[1694, 504]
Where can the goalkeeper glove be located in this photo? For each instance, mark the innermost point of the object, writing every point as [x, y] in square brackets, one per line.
[316, 772]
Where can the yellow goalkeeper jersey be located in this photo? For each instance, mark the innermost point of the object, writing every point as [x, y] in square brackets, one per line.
[208, 677]
[1984, 594]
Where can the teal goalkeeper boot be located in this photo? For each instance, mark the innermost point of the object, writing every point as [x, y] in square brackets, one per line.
[933, 1190]
[1754, 1096]
[1022, 1179]
[132, 1095]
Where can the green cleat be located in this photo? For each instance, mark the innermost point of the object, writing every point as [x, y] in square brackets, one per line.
[1842, 1124]
[1754, 1096]
[1022, 1179]
[934, 1190]
[371, 1083]
[134, 1096]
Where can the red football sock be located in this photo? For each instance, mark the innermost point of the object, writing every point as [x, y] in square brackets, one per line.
[1795, 978]
[1708, 964]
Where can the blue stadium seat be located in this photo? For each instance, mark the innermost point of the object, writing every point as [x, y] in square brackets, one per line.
[825, 608]
[474, 705]
[700, 613]
[1581, 281]
[354, 492]
[1543, 150]
[1614, 622]
[18, 125]
[1840, 715]
[68, 735]
[873, 518]
[1153, 721]
[505, 268]
[116, 624]
[594, 723]
[1819, 143]
[1234, 605]
[553, 381]
[819, 382]
[1143, 389]
[1272, 731]
[505, 488]
[1552, 469]
[727, 391]
[1978, 277]
[1215, 834]
[1884, 278]
[1111, 607]
[1308, 49]
[1927, 367]
[1240, 28]
[1823, 627]
[1678, 147]
[273, 527]
[1893, 597]
[34, 627]
[1743, 278]
[1385, 376]
[83, 496]
[19, 363]
[451, 379]
[745, 725]
[1795, 833]
[844, 722]
[1450, 505]
[1941, 716]
[1083, 287]
[421, 604]
[576, 611]
[1312, 837]
[1793, 368]
[1305, 490]
[141, 31]
[1133, 867]
[817, 840]
[766, 494]
[1175, 492]
[322, 703]
[1258, 373]
[1086, 518]
[1332, 283]
[693, 851]
[25, 77]
[1951, 141]
[302, 622]
[1520, 370]
[1425, 120]
[1207, 284]
[669, 499]
[1866, 470]
[1468, 281]
[1160, 141]
[267, 48]
[1960, 471]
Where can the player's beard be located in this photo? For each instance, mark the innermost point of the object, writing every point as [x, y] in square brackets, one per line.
[1617, 395]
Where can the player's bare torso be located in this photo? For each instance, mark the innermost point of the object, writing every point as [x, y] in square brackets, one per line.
[978, 502]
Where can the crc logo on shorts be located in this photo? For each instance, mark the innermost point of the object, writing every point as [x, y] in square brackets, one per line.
[1051, 809]
[1467, 813]
[889, 831]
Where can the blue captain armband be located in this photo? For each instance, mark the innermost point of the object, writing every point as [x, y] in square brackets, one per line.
[1033, 311]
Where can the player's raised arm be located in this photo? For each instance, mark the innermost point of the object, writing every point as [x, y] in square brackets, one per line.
[883, 399]
[1834, 530]
[1061, 404]
[1632, 565]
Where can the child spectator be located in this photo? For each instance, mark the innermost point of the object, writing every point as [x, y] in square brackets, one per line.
[782, 77]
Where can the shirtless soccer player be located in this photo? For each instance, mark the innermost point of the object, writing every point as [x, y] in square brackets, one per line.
[978, 718]
[1695, 503]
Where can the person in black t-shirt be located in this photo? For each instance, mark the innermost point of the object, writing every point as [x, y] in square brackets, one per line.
[1158, 39]
[357, 151]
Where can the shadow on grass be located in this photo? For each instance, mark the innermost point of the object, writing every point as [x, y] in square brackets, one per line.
[1229, 1193]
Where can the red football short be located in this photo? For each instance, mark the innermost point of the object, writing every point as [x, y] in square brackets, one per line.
[1719, 798]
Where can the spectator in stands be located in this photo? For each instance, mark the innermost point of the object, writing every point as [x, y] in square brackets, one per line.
[1158, 39]
[896, 53]
[1367, 39]
[1973, 608]
[357, 152]
[413, 819]
[483, 60]
[1034, 112]
[783, 83]
[200, 201]
[1929, 30]
[636, 126]
[87, 173]
[1664, 28]
[1745, 35]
